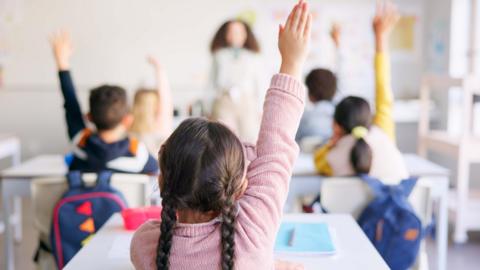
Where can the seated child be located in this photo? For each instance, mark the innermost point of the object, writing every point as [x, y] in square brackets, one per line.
[316, 121]
[153, 111]
[109, 147]
[222, 201]
[322, 85]
[357, 146]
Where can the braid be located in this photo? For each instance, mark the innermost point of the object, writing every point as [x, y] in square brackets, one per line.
[169, 218]
[228, 234]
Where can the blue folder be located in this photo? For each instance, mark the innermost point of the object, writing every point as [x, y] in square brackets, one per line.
[304, 238]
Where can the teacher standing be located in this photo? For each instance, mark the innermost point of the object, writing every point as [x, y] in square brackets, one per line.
[235, 79]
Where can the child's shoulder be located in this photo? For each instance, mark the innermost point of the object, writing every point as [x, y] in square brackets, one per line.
[144, 244]
[150, 227]
[147, 233]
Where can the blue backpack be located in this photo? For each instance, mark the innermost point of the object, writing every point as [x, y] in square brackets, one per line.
[80, 213]
[391, 224]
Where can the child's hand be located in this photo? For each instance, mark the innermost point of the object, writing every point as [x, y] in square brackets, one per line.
[284, 265]
[294, 39]
[335, 34]
[385, 19]
[152, 60]
[62, 49]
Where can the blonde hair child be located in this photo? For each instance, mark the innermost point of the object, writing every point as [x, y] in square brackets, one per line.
[153, 111]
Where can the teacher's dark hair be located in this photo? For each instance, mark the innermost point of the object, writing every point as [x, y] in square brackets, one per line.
[220, 39]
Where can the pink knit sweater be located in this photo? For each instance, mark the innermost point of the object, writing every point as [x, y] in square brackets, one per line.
[197, 246]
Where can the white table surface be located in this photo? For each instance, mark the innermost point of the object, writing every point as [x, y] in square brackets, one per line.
[10, 147]
[40, 166]
[416, 166]
[354, 249]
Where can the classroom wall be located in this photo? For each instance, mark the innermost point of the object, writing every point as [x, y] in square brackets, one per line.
[112, 39]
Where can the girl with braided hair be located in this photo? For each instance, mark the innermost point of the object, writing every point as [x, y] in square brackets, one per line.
[222, 200]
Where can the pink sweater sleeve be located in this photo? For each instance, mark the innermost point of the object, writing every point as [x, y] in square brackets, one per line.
[270, 170]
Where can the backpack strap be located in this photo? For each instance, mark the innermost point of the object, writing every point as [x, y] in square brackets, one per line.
[103, 178]
[407, 185]
[375, 185]
[74, 179]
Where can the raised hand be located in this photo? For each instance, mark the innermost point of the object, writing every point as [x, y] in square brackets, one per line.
[152, 60]
[294, 39]
[335, 33]
[386, 17]
[62, 49]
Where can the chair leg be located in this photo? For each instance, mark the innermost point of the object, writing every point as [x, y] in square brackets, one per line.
[460, 233]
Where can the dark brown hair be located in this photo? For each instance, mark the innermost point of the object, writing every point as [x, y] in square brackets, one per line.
[108, 106]
[220, 39]
[202, 166]
[321, 84]
[353, 112]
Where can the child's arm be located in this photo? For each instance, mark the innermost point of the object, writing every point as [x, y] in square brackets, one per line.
[62, 50]
[165, 105]
[320, 160]
[276, 150]
[384, 21]
[339, 67]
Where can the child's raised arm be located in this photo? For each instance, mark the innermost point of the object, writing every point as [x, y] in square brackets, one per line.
[385, 19]
[62, 51]
[270, 171]
[165, 105]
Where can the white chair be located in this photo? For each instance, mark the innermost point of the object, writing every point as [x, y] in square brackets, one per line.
[351, 196]
[46, 192]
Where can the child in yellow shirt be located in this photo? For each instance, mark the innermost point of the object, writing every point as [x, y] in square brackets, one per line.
[360, 145]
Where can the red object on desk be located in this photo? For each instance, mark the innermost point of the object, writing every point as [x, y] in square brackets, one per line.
[135, 217]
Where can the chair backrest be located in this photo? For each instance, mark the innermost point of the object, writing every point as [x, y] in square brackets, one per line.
[351, 195]
[46, 192]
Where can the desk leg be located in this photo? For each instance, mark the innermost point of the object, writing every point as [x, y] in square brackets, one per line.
[17, 211]
[442, 227]
[9, 258]
[17, 201]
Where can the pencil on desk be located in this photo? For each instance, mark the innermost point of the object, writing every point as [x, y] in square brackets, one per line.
[292, 238]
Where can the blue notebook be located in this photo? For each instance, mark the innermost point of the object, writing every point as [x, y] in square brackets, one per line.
[304, 238]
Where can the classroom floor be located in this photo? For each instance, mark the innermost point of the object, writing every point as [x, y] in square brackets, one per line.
[465, 257]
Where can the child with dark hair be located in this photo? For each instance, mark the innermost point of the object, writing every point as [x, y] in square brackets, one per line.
[360, 145]
[222, 201]
[322, 85]
[109, 147]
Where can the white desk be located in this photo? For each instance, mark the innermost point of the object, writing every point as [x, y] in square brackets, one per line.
[306, 181]
[10, 148]
[16, 183]
[354, 249]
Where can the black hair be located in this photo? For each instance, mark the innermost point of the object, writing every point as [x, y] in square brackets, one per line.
[321, 84]
[108, 106]
[354, 112]
[202, 166]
